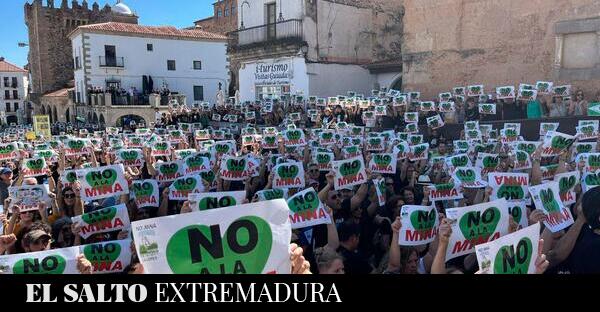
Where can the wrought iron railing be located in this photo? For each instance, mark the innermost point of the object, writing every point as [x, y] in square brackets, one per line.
[286, 30]
[112, 61]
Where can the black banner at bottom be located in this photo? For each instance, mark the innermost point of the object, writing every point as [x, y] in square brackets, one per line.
[429, 290]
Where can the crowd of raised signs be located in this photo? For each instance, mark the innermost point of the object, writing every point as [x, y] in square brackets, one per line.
[346, 184]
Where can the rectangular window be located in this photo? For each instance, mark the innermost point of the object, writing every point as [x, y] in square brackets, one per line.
[232, 10]
[271, 19]
[171, 65]
[6, 95]
[6, 82]
[197, 65]
[150, 47]
[198, 93]
[15, 94]
[219, 13]
[226, 12]
[16, 107]
[8, 107]
[15, 84]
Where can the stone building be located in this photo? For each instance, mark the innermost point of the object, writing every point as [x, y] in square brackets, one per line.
[314, 47]
[224, 19]
[14, 84]
[50, 52]
[450, 43]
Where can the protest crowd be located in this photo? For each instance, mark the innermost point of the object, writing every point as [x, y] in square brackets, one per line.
[367, 185]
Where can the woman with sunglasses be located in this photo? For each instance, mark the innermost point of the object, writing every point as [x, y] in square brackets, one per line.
[579, 105]
[20, 220]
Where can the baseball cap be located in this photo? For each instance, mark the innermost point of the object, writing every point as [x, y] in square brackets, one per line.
[5, 170]
[36, 235]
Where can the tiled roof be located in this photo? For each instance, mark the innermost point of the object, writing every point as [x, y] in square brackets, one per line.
[8, 67]
[60, 93]
[169, 31]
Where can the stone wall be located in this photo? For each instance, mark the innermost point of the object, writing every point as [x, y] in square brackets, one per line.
[449, 43]
[223, 24]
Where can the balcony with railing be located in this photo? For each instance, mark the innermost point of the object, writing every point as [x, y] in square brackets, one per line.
[281, 32]
[112, 62]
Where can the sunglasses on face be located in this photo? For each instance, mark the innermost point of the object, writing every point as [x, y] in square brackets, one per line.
[313, 170]
[70, 195]
[26, 212]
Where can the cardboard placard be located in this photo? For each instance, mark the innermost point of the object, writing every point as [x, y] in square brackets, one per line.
[182, 244]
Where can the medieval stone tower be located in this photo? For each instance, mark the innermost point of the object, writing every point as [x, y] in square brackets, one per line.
[50, 51]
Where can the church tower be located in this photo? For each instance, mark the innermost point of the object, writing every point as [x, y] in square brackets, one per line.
[50, 52]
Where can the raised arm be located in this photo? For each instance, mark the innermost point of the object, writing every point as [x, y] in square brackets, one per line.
[394, 258]
[439, 261]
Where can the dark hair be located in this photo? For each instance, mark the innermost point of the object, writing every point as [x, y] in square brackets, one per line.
[590, 207]
[347, 230]
[405, 253]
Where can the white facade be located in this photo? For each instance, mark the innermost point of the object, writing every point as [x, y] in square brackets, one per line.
[274, 77]
[134, 60]
[255, 11]
[13, 92]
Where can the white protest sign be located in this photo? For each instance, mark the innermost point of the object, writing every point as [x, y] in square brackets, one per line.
[418, 152]
[446, 191]
[420, 225]
[54, 261]
[145, 193]
[510, 186]
[349, 172]
[102, 182]
[555, 143]
[468, 177]
[130, 157]
[9, 151]
[108, 257]
[234, 168]
[487, 162]
[590, 180]
[566, 186]
[182, 187]
[34, 167]
[289, 175]
[213, 200]
[28, 197]
[547, 198]
[161, 148]
[74, 147]
[474, 225]
[258, 237]
[384, 163]
[196, 163]
[169, 171]
[294, 137]
[324, 161]
[306, 209]
[380, 188]
[271, 194]
[546, 127]
[514, 253]
[401, 149]
[115, 218]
